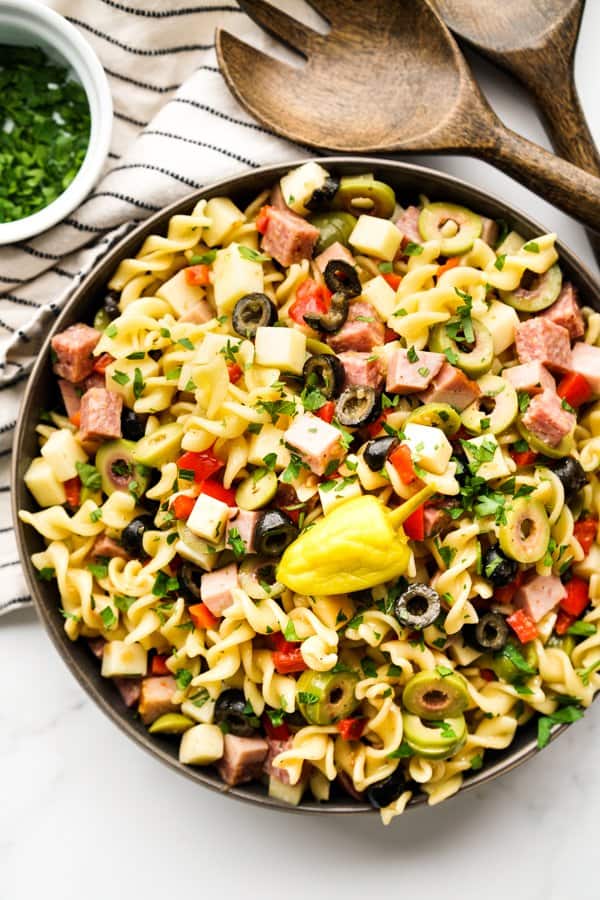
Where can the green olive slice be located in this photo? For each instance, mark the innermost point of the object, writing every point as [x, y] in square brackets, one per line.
[473, 357]
[536, 292]
[504, 666]
[171, 723]
[439, 415]
[359, 194]
[159, 447]
[333, 227]
[326, 697]
[432, 696]
[435, 740]
[455, 226]
[563, 449]
[495, 409]
[256, 490]
[525, 534]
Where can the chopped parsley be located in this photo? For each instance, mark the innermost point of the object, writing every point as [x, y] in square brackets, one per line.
[120, 377]
[499, 264]
[293, 469]
[123, 602]
[252, 255]
[95, 515]
[290, 632]
[412, 249]
[46, 573]
[199, 698]
[369, 668]
[385, 268]
[89, 476]
[108, 617]
[203, 259]
[582, 629]
[308, 698]
[138, 383]
[100, 568]
[412, 355]
[185, 342]
[401, 752]
[182, 678]
[163, 584]
[563, 715]
[531, 247]
[174, 373]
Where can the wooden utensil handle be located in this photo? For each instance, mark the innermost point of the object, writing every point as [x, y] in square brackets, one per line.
[571, 189]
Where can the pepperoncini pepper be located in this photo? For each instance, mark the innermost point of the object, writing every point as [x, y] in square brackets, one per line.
[358, 545]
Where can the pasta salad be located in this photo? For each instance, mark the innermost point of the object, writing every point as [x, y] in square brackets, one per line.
[321, 489]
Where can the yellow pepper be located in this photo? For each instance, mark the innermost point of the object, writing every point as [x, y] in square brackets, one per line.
[358, 545]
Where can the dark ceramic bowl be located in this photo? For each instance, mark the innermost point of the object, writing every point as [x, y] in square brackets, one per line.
[408, 181]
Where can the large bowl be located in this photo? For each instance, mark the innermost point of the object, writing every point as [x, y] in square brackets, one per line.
[409, 181]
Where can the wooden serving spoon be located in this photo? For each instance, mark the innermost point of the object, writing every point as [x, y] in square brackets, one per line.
[388, 77]
[535, 42]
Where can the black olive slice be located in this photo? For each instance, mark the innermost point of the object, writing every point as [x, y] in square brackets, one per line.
[334, 318]
[341, 277]
[571, 474]
[252, 311]
[377, 451]
[491, 632]
[322, 196]
[231, 709]
[357, 405]
[418, 607]
[498, 568]
[325, 373]
[274, 531]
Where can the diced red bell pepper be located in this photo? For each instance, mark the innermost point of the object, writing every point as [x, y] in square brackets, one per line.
[262, 219]
[401, 460]
[289, 661]
[564, 620]
[198, 275]
[487, 674]
[183, 506]
[505, 594]
[585, 530]
[392, 279]
[311, 299]
[524, 457]
[73, 491]
[389, 336]
[523, 626]
[201, 616]
[215, 489]
[351, 729]
[234, 372]
[577, 596]
[327, 411]
[203, 465]
[449, 264]
[375, 427]
[75, 419]
[414, 525]
[102, 363]
[158, 666]
[275, 732]
[575, 389]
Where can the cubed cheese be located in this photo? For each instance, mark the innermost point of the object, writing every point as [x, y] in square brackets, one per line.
[234, 276]
[332, 493]
[214, 344]
[208, 518]
[501, 320]
[281, 348]
[487, 448]
[379, 294]
[121, 659]
[268, 440]
[61, 451]
[201, 745]
[180, 295]
[590, 565]
[41, 481]
[376, 237]
[224, 217]
[204, 713]
[298, 186]
[429, 447]
[369, 479]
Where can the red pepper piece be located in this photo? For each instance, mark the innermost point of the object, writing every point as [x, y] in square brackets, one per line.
[327, 411]
[351, 729]
[215, 489]
[73, 491]
[524, 457]
[564, 620]
[393, 280]
[523, 626]
[183, 506]
[262, 219]
[203, 465]
[275, 732]
[575, 389]
[585, 530]
[505, 594]
[577, 596]
[201, 616]
[311, 299]
[234, 372]
[401, 459]
[102, 363]
[158, 666]
[198, 275]
[414, 525]
[289, 661]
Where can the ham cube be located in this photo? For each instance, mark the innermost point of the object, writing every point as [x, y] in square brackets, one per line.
[275, 748]
[547, 420]
[586, 361]
[288, 238]
[243, 524]
[407, 374]
[408, 223]
[107, 547]
[451, 386]
[198, 314]
[542, 340]
[540, 595]
[489, 231]
[156, 697]
[73, 349]
[316, 441]
[243, 759]
[362, 369]
[362, 330]
[130, 690]
[567, 312]
[95, 380]
[100, 414]
[216, 588]
[532, 378]
[334, 251]
[71, 396]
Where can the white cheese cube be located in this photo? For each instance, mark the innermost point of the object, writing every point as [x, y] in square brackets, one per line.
[487, 447]
[268, 440]
[281, 348]
[339, 492]
[590, 565]
[234, 276]
[61, 451]
[298, 186]
[201, 745]
[204, 713]
[501, 320]
[121, 659]
[224, 217]
[376, 237]
[429, 447]
[369, 479]
[208, 518]
[180, 295]
[41, 481]
[379, 294]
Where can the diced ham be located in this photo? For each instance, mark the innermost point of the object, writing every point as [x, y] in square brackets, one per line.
[317, 442]
[73, 351]
[566, 312]
[408, 223]
[532, 378]
[546, 418]
[244, 522]
[406, 377]
[106, 546]
[216, 588]
[130, 690]
[156, 697]
[276, 197]
[434, 520]
[362, 368]
[489, 231]
[451, 386]
[100, 414]
[199, 313]
[242, 759]
[95, 380]
[586, 361]
[288, 238]
[275, 748]
[540, 595]
[96, 645]
[71, 396]
[334, 251]
[542, 340]
[362, 330]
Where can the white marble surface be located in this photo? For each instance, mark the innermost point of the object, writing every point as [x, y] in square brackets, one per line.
[85, 813]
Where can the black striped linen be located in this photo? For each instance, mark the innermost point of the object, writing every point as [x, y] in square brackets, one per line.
[176, 128]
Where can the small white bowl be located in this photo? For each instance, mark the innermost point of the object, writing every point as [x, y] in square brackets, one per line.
[29, 23]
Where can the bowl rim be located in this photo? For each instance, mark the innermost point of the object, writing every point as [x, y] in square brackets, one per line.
[78, 54]
[46, 609]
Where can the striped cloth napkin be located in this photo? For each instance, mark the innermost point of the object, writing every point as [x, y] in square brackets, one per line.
[176, 128]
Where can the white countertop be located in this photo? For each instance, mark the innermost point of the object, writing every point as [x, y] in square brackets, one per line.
[86, 813]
